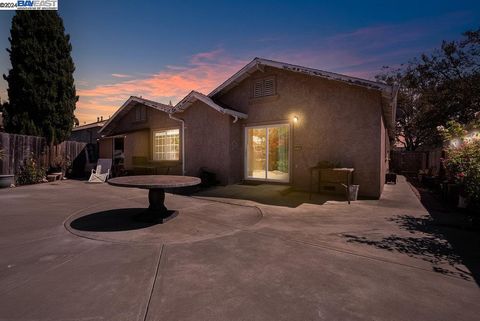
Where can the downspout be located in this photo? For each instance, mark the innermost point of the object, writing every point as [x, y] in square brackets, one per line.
[183, 140]
[235, 118]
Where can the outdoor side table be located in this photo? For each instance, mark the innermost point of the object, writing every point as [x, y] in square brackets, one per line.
[156, 185]
[331, 176]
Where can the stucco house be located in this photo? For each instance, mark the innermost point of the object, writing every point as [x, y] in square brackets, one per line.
[270, 121]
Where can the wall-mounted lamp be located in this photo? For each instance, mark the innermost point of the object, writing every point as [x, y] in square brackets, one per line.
[295, 119]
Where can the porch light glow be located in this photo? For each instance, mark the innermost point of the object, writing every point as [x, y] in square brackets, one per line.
[466, 139]
[474, 135]
[455, 143]
[295, 119]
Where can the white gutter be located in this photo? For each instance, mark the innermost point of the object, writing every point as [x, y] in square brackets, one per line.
[183, 140]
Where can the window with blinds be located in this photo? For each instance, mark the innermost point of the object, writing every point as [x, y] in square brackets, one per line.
[264, 87]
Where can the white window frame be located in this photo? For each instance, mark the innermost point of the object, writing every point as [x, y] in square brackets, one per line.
[245, 151]
[165, 151]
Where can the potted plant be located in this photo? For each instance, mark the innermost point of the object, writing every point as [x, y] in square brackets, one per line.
[60, 165]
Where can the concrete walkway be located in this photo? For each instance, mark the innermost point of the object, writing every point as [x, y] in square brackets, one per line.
[71, 251]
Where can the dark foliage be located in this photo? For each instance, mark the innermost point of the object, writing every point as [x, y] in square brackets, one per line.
[437, 88]
[41, 88]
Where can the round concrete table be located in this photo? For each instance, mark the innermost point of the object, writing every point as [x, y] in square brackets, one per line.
[156, 185]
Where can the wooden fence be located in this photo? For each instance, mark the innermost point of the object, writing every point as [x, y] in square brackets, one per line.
[17, 148]
[409, 163]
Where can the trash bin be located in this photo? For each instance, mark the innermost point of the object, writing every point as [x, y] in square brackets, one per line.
[353, 192]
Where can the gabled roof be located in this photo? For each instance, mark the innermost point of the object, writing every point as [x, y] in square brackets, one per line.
[194, 96]
[388, 92]
[132, 101]
[258, 63]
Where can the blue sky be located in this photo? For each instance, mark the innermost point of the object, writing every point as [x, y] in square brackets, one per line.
[161, 50]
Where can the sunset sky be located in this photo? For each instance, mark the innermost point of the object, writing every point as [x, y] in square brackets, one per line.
[162, 50]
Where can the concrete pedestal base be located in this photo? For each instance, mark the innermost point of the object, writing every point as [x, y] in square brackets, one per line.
[156, 212]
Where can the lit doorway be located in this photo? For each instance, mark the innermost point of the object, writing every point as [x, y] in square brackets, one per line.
[267, 154]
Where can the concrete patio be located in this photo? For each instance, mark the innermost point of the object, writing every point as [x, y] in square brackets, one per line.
[70, 251]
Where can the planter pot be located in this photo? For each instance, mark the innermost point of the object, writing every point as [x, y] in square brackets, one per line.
[6, 180]
[462, 202]
[353, 192]
[59, 175]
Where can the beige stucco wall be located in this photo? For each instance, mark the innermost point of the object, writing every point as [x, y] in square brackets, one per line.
[384, 148]
[338, 122]
[237, 153]
[207, 141]
[136, 144]
[105, 148]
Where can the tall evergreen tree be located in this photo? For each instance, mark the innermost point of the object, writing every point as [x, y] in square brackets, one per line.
[41, 88]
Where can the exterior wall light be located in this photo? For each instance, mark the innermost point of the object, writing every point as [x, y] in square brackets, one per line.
[295, 119]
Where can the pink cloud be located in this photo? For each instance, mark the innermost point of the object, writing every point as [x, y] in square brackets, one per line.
[121, 76]
[203, 73]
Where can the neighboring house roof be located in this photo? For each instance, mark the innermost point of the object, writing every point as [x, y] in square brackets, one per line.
[88, 126]
[194, 96]
[132, 101]
[389, 93]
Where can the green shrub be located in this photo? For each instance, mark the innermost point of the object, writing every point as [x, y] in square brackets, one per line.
[463, 157]
[31, 172]
[463, 166]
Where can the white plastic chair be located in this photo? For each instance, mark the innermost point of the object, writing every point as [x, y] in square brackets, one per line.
[102, 172]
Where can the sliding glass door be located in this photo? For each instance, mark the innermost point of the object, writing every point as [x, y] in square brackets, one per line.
[267, 153]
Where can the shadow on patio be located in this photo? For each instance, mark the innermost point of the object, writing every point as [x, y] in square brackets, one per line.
[268, 194]
[444, 238]
[122, 219]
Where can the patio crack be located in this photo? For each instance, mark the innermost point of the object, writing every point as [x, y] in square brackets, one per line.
[152, 288]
